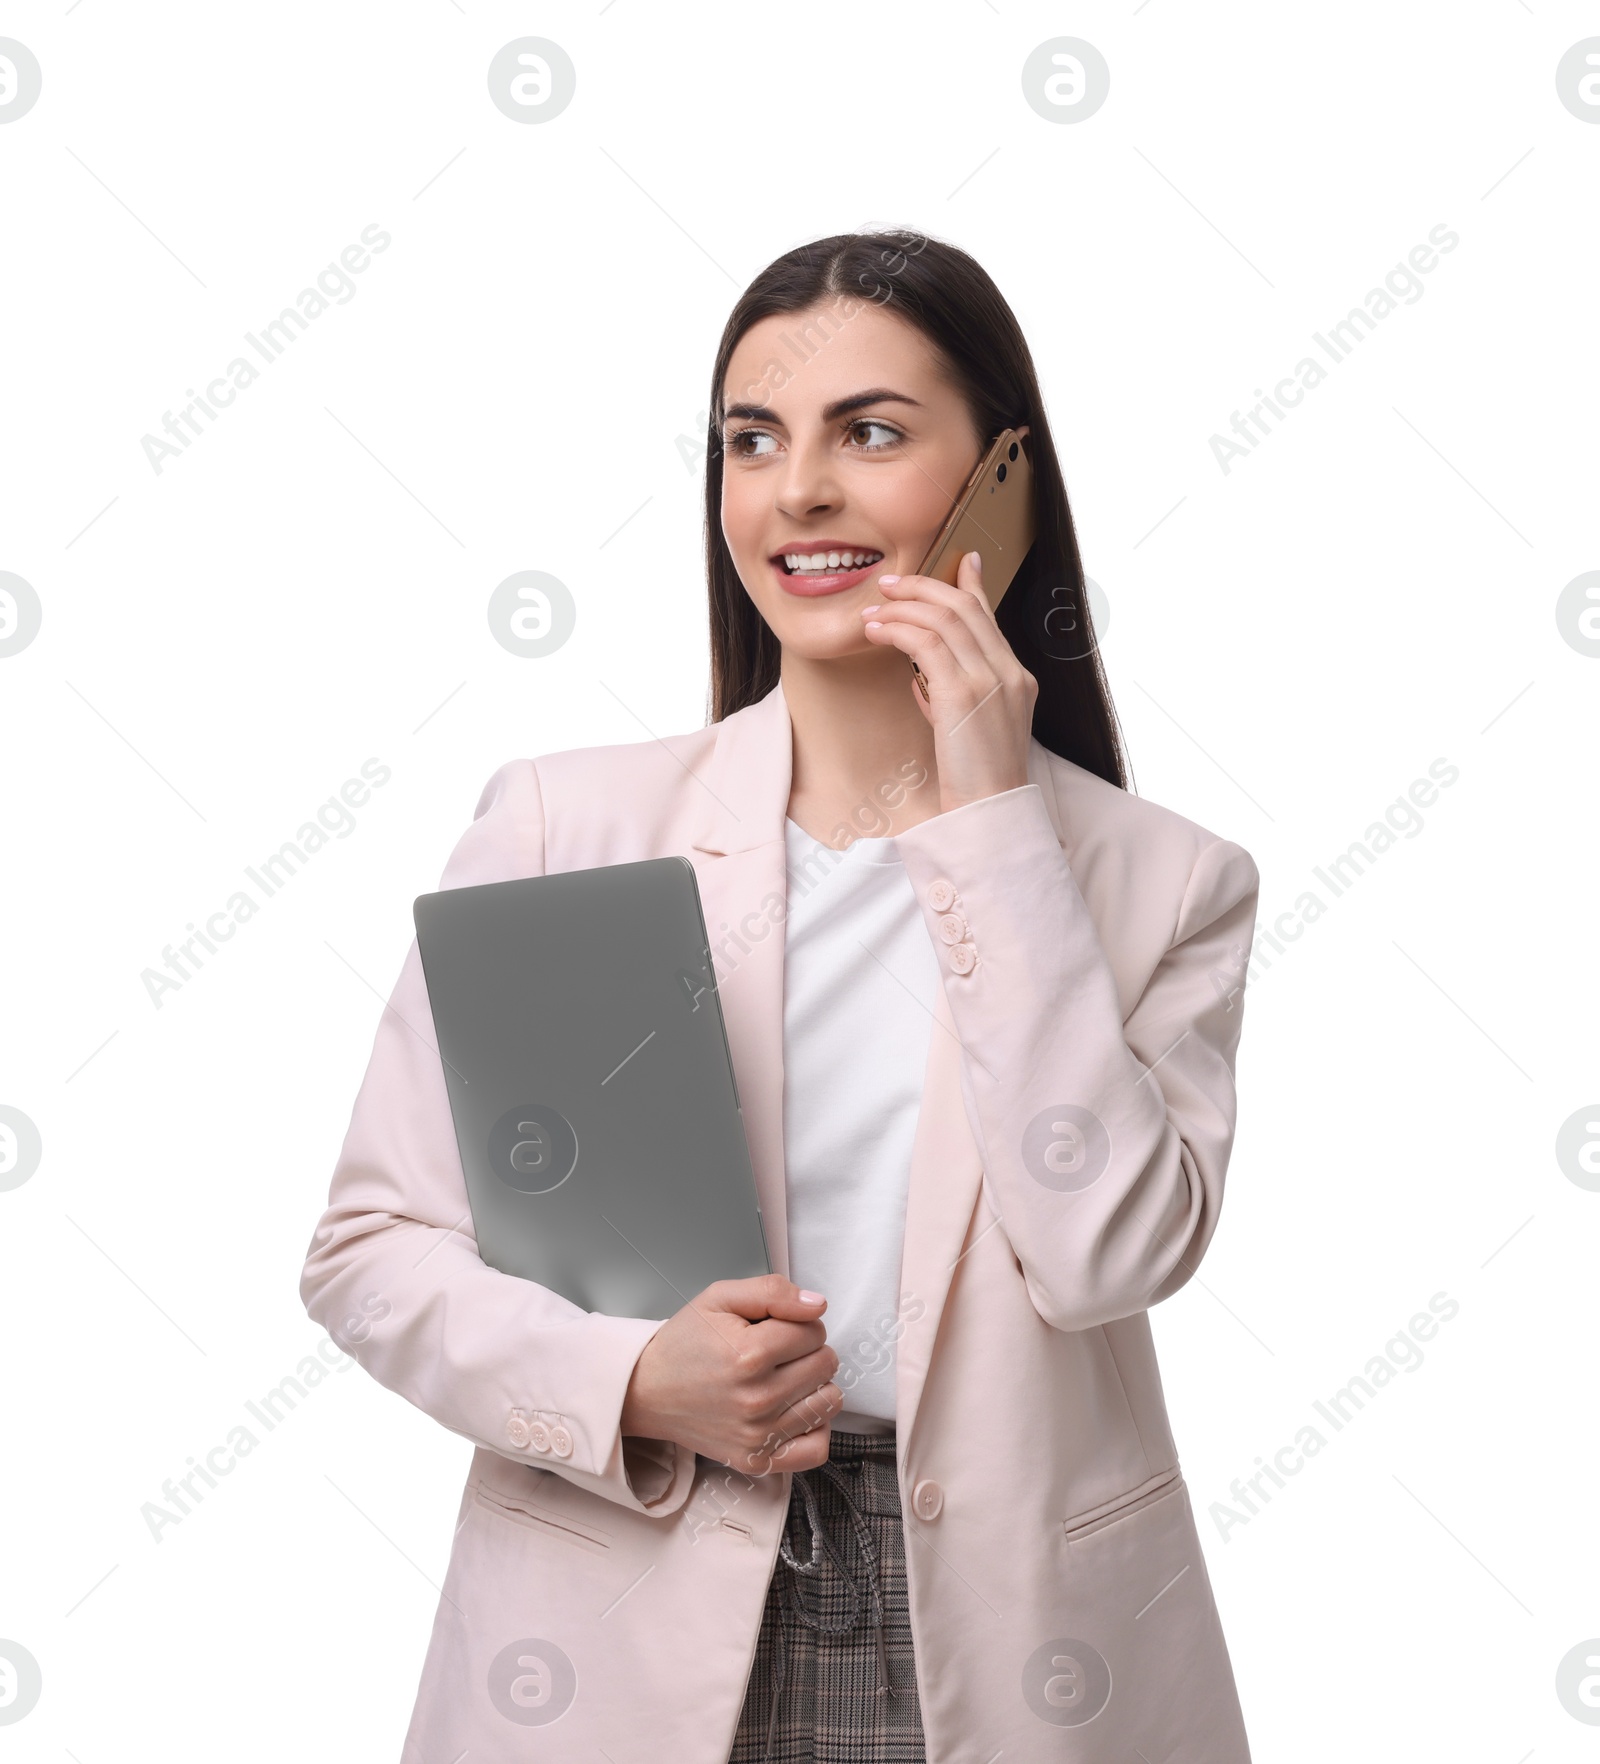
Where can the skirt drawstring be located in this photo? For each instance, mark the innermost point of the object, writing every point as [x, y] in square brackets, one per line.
[824, 1555]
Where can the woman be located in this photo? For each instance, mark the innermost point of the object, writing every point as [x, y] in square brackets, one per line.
[914, 1496]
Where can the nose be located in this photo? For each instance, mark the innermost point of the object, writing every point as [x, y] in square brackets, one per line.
[809, 484]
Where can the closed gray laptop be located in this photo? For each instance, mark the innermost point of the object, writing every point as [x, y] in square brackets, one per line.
[591, 1084]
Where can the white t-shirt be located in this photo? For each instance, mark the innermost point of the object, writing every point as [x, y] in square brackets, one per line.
[856, 1027]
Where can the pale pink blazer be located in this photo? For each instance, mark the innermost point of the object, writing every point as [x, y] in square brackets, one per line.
[604, 1595]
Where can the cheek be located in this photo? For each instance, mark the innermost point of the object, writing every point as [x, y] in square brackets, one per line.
[744, 512]
[909, 510]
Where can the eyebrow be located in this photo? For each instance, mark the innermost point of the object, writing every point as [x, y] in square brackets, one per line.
[760, 413]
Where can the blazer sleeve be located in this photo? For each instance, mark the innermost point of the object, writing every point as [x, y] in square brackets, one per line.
[1104, 1141]
[393, 1271]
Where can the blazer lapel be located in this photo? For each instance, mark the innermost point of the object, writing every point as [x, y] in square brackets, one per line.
[740, 856]
[943, 1218]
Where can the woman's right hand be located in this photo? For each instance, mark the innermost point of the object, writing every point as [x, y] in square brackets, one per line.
[740, 1374]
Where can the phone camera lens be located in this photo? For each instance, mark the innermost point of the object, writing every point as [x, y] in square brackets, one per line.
[1000, 473]
[1012, 453]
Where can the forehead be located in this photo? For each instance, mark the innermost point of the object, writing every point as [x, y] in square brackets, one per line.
[803, 360]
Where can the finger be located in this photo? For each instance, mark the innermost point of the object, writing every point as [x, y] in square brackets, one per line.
[788, 1442]
[812, 1408]
[775, 1342]
[967, 598]
[926, 648]
[763, 1295]
[969, 579]
[804, 1452]
[798, 1451]
[943, 621]
[798, 1388]
[800, 1380]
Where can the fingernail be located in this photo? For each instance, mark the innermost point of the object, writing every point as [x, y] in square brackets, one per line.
[884, 581]
[868, 609]
[873, 625]
[811, 1298]
[976, 559]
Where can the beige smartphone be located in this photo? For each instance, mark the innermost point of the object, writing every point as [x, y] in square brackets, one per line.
[992, 516]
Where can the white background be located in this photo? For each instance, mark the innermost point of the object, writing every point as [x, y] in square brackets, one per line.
[1291, 643]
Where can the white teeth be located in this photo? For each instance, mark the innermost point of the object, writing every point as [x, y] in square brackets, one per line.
[802, 561]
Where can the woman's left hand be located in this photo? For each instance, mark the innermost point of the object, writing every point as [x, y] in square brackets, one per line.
[980, 697]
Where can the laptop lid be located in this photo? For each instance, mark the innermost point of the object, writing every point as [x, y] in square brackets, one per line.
[591, 1084]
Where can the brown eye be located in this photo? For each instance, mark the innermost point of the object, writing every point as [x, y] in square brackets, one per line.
[745, 443]
[862, 431]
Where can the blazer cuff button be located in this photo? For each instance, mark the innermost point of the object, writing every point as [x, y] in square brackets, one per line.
[517, 1430]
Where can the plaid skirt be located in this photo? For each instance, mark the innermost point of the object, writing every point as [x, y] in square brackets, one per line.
[834, 1680]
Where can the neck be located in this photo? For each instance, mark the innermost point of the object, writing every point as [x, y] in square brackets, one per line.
[863, 752]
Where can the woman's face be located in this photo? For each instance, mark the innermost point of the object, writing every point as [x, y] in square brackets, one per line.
[844, 446]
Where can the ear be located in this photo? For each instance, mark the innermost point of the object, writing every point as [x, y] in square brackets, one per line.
[1022, 431]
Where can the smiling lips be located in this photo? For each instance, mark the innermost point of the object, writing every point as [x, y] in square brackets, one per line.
[827, 568]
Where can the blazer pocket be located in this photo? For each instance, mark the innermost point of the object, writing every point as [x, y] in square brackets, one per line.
[1157, 1488]
[520, 1510]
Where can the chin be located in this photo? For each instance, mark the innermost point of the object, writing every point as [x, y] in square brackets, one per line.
[833, 645]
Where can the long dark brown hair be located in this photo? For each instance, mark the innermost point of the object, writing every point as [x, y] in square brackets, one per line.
[950, 298]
